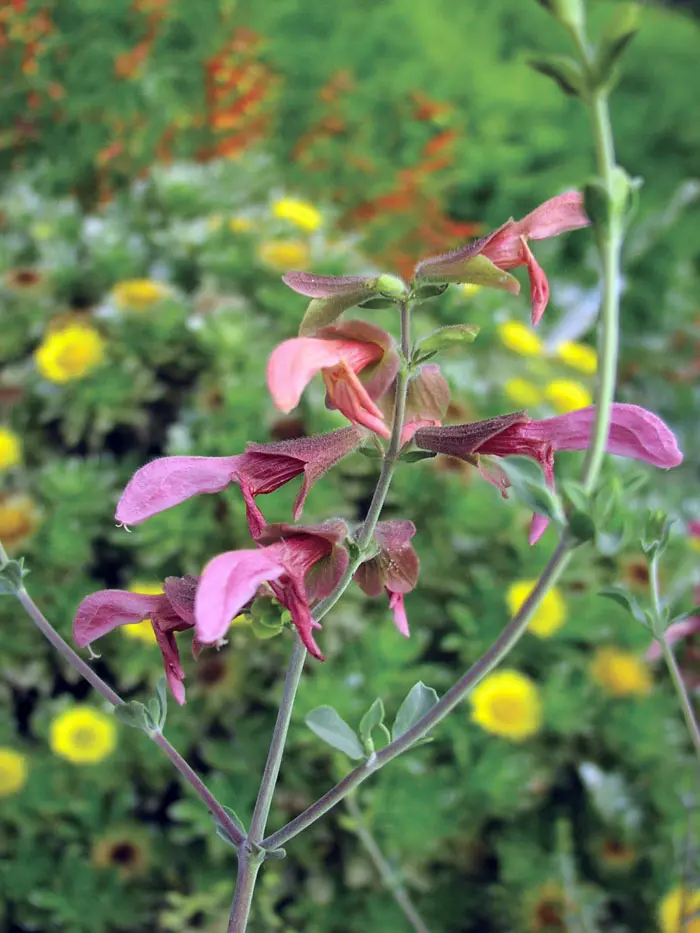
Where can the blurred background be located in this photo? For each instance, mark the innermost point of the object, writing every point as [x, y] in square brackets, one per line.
[163, 162]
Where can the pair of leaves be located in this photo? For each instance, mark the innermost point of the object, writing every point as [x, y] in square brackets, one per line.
[148, 718]
[329, 726]
[11, 575]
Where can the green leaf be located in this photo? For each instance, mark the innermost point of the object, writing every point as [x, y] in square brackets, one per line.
[426, 292]
[378, 304]
[328, 726]
[158, 705]
[414, 456]
[529, 486]
[324, 311]
[373, 718]
[220, 829]
[596, 202]
[475, 271]
[371, 453]
[136, 716]
[264, 628]
[564, 71]
[455, 335]
[614, 38]
[657, 531]
[419, 700]
[582, 527]
[11, 575]
[575, 494]
[624, 598]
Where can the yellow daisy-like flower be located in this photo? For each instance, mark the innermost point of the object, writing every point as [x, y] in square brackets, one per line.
[620, 673]
[522, 392]
[549, 616]
[143, 630]
[519, 338]
[70, 353]
[507, 703]
[566, 395]
[300, 213]
[19, 518]
[10, 449]
[676, 909]
[469, 289]
[282, 255]
[82, 735]
[240, 224]
[139, 294]
[578, 356]
[13, 772]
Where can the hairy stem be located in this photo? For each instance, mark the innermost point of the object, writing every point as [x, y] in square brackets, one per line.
[389, 877]
[95, 681]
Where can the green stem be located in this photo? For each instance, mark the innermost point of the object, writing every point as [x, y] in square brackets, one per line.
[95, 681]
[389, 877]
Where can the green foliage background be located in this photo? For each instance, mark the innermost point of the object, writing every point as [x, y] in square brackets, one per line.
[481, 829]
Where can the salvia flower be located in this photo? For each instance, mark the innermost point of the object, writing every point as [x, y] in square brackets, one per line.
[339, 354]
[170, 612]
[393, 570]
[300, 564]
[261, 469]
[635, 433]
[427, 400]
[507, 248]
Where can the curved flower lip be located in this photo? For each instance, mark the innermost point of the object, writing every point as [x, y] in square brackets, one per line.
[329, 286]
[102, 612]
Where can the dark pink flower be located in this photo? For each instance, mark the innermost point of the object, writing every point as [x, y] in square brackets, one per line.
[394, 569]
[262, 469]
[300, 564]
[171, 612]
[339, 354]
[507, 248]
[635, 433]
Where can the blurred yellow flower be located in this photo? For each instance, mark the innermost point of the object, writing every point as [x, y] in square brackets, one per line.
[300, 213]
[70, 353]
[82, 735]
[469, 289]
[617, 855]
[578, 356]
[139, 294]
[143, 630]
[546, 908]
[23, 279]
[522, 392]
[10, 449]
[13, 772]
[125, 850]
[519, 338]
[676, 909]
[19, 518]
[548, 617]
[566, 395]
[620, 673]
[240, 224]
[507, 703]
[283, 255]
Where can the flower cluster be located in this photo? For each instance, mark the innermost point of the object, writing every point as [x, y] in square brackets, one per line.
[385, 393]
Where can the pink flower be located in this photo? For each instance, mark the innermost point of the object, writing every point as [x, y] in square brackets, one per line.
[635, 433]
[427, 399]
[507, 248]
[262, 469]
[171, 612]
[394, 569]
[300, 564]
[339, 354]
[679, 631]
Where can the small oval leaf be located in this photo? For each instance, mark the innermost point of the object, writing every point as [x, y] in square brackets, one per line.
[419, 701]
[334, 731]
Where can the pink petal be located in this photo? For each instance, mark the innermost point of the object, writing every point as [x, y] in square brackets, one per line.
[174, 673]
[328, 286]
[106, 610]
[349, 396]
[539, 286]
[674, 633]
[538, 526]
[169, 481]
[292, 594]
[410, 428]
[294, 363]
[555, 216]
[397, 607]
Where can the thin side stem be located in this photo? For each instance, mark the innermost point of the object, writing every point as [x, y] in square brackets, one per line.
[510, 635]
[95, 681]
[389, 877]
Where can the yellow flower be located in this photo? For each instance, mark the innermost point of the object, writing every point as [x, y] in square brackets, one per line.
[507, 703]
[578, 356]
[522, 392]
[546, 908]
[70, 353]
[519, 338]
[125, 850]
[19, 518]
[83, 735]
[139, 294]
[300, 213]
[676, 908]
[284, 254]
[620, 673]
[617, 855]
[469, 289]
[143, 630]
[566, 395]
[548, 617]
[13, 772]
[10, 449]
[240, 224]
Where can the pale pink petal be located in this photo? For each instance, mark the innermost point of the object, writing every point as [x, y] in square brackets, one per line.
[227, 583]
[349, 396]
[694, 529]
[555, 216]
[169, 481]
[539, 286]
[106, 610]
[397, 607]
[674, 633]
[410, 428]
[538, 526]
[294, 363]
